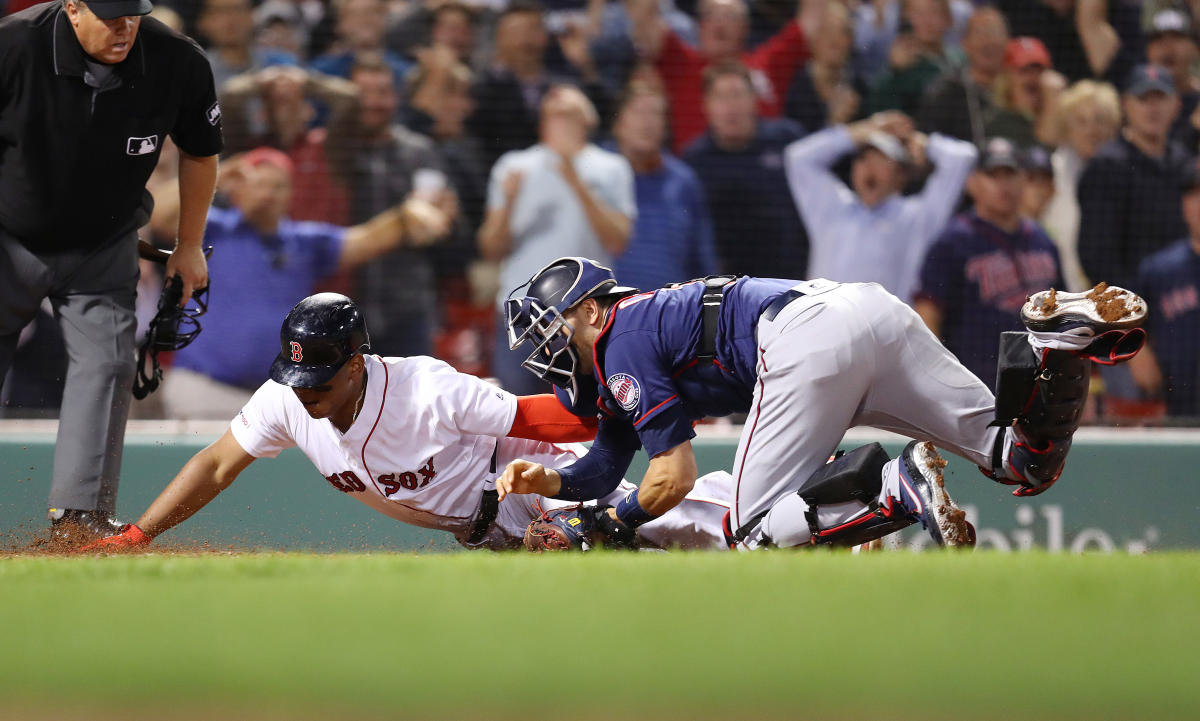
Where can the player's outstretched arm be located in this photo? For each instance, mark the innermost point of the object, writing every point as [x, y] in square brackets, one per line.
[209, 472]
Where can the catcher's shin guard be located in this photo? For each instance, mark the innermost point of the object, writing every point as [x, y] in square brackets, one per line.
[858, 477]
[1033, 448]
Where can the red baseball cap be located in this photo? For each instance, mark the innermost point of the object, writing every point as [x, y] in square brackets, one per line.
[1025, 51]
[268, 156]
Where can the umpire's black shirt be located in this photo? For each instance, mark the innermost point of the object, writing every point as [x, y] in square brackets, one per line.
[76, 151]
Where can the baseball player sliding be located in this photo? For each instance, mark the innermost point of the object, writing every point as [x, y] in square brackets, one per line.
[805, 361]
[410, 437]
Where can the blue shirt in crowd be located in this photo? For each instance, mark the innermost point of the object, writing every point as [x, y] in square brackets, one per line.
[979, 276]
[341, 64]
[672, 238]
[1169, 280]
[755, 223]
[256, 281]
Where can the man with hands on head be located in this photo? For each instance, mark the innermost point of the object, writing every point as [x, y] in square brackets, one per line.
[870, 232]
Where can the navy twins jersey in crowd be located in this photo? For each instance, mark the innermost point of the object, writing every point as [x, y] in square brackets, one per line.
[1169, 280]
[646, 367]
[979, 276]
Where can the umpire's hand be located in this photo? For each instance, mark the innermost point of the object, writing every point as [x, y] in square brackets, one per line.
[190, 265]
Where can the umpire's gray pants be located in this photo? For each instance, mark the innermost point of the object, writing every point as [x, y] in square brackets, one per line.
[92, 294]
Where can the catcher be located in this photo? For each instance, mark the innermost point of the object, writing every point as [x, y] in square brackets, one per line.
[806, 360]
[415, 440]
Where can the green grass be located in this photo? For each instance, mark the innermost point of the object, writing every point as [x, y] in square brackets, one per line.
[656, 636]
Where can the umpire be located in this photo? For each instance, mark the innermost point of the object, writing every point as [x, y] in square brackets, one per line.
[89, 92]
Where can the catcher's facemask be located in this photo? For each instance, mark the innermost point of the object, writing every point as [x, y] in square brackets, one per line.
[172, 329]
[553, 359]
[534, 312]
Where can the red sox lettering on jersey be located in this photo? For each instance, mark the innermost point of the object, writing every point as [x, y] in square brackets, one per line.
[420, 450]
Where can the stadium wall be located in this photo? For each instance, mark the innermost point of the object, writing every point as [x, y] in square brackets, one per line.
[1123, 490]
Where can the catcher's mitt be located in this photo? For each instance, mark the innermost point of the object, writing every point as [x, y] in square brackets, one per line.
[577, 528]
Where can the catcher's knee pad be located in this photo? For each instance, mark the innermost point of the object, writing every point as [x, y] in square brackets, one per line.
[1039, 398]
[855, 477]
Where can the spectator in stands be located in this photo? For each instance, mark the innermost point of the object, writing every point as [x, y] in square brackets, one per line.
[826, 91]
[1129, 190]
[1086, 38]
[266, 261]
[561, 197]
[1037, 176]
[1026, 95]
[1089, 115]
[1170, 42]
[508, 95]
[872, 233]
[723, 26]
[672, 238]
[916, 58]
[877, 23]
[227, 26]
[281, 25]
[439, 104]
[360, 25]
[383, 164]
[959, 103]
[740, 163]
[424, 24]
[978, 274]
[1170, 282]
[286, 94]
[613, 33]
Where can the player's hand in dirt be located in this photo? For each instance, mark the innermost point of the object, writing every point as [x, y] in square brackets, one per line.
[129, 538]
[528, 477]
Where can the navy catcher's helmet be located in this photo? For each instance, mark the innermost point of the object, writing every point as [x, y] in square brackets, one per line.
[318, 337]
[534, 311]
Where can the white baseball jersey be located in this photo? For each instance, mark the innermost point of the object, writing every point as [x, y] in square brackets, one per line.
[427, 442]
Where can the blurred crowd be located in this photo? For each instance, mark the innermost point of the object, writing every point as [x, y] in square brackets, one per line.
[427, 156]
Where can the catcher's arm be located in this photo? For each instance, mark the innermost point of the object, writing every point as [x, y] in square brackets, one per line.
[209, 472]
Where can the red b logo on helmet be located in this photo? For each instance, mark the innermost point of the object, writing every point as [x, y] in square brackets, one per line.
[297, 356]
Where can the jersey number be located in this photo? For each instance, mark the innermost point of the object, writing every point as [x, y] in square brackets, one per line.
[346, 482]
[408, 480]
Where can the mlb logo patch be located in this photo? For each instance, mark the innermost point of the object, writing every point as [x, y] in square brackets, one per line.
[625, 390]
[141, 146]
[214, 114]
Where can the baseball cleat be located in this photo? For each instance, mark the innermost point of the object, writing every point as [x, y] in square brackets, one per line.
[1103, 308]
[923, 487]
[71, 527]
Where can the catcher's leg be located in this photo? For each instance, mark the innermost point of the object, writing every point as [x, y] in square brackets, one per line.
[1043, 376]
[862, 496]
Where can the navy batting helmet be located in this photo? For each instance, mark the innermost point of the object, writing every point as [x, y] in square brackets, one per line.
[318, 337]
[534, 311]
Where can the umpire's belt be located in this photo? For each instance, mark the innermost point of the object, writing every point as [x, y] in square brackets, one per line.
[775, 306]
[489, 508]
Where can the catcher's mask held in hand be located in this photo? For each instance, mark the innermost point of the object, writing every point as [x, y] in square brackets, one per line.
[172, 329]
[534, 312]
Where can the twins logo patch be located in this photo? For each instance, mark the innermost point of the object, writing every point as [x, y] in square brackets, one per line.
[625, 389]
[214, 114]
[141, 146]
